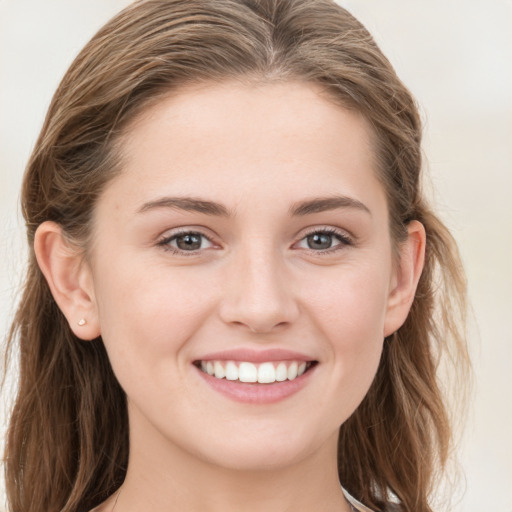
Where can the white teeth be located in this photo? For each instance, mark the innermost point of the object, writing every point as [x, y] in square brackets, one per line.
[247, 372]
[292, 371]
[281, 372]
[220, 373]
[231, 371]
[264, 373]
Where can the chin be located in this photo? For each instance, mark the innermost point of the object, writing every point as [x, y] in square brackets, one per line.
[258, 453]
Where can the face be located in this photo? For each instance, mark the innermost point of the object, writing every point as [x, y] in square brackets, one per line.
[247, 234]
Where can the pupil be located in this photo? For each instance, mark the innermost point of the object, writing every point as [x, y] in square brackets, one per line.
[189, 242]
[319, 241]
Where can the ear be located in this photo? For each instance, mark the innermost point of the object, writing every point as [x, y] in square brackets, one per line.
[405, 278]
[69, 278]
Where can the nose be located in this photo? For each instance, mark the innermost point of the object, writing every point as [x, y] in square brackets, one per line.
[257, 294]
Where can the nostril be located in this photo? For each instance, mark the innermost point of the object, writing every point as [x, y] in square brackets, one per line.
[258, 306]
[260, 326]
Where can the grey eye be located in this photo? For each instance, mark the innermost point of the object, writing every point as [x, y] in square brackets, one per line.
[189, 242]
[324, 240]
[319, 241]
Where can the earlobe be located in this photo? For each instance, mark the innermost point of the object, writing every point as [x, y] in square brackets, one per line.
[69, 279]
[407, 276]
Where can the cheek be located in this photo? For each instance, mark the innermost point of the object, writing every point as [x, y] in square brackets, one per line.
[349, 312]
[149, 317]
[351, 304]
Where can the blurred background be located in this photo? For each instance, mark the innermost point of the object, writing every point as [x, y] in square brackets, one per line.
[456, 58]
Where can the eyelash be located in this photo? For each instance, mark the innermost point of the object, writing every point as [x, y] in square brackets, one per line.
[342, 237]
[165, 242]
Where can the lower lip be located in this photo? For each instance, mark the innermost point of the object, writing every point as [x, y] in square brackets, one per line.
[254, 393]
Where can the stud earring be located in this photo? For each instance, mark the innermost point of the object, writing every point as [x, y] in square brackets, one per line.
[82, 322]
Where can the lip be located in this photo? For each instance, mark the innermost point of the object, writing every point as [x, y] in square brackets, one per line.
[255, 393]
[255, 356]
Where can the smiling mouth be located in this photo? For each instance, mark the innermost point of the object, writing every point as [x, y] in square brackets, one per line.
[262, 373]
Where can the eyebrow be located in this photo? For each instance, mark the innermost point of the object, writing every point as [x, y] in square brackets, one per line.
[189, 204]
[301, 208]
[323, 204]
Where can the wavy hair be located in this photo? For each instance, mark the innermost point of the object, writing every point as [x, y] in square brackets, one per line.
[67, 442]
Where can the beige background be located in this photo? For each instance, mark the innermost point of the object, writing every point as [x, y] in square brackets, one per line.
[456, 58]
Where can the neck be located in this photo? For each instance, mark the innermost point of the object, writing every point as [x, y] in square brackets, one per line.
[165, 478]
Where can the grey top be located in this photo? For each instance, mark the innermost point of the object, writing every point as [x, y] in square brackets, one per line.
[355, 504]
[359, 507]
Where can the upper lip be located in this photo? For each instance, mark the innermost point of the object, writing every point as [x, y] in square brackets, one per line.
[255, 356]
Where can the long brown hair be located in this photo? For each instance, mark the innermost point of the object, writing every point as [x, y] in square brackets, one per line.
[67, 443]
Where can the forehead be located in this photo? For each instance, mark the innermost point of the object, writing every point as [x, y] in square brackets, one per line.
[225, 138]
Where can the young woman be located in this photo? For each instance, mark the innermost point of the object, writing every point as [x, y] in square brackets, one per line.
[238, 297]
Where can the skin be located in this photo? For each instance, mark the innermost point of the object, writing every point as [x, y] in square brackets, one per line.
[257, 150]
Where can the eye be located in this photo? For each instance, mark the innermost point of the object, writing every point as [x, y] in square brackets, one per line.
[325, 240]
[186, 241]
